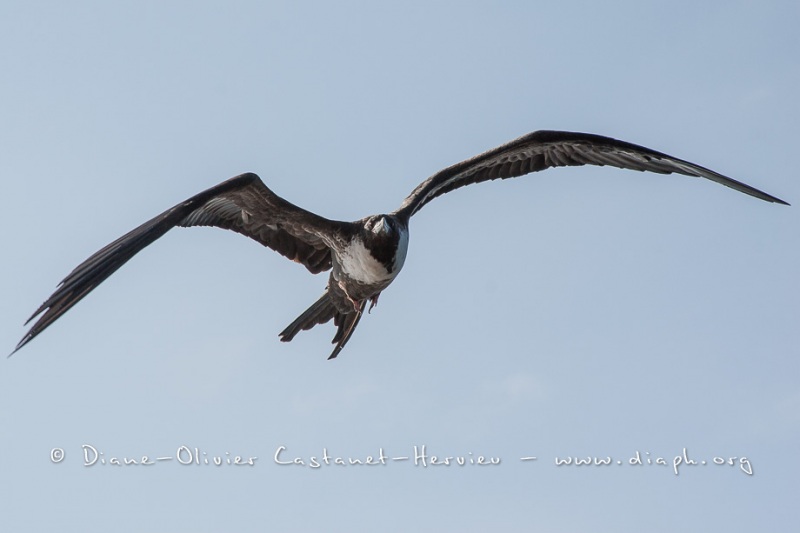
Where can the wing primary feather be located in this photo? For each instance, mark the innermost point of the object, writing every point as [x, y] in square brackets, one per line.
[92, 272]
[547, 149]
[243, 204]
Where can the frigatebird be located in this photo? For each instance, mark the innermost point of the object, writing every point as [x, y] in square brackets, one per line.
[363, 256]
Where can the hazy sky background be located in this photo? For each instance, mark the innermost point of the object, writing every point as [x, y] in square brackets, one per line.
[581, 311]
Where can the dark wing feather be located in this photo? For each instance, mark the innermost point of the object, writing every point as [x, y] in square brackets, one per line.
[242, 204]
[541, 150]
[256, 212]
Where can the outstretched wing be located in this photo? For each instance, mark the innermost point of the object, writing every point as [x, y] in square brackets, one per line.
[544, 149]
[242, 204]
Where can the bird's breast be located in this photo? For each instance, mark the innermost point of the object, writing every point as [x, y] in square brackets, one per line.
[359, 264]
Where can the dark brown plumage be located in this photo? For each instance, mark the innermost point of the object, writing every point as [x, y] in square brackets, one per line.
[366, 255]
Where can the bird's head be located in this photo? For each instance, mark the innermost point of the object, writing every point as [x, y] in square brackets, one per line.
[387, 239]
[382, 227]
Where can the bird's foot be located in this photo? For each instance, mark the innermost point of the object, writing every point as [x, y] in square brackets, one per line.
[373, 302]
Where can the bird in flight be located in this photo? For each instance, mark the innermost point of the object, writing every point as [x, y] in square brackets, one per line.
[363, 256]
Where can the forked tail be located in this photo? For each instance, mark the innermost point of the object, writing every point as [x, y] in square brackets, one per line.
[320, 312]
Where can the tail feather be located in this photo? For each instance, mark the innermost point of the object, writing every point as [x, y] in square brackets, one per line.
[347, 325]
[320, 312]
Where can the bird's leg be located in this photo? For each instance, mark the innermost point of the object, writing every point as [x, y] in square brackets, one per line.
[373, 302]
[356, 304]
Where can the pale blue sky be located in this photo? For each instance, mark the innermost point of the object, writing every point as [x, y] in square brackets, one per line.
[584, 311]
